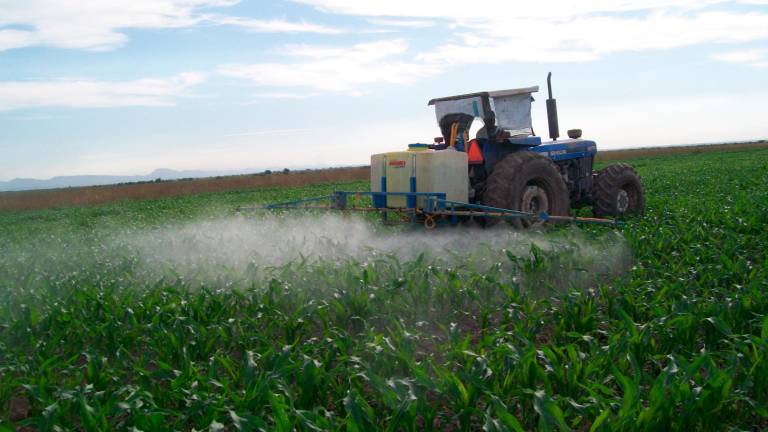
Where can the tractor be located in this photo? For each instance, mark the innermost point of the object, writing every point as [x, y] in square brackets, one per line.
[510, 167]
[504, 173]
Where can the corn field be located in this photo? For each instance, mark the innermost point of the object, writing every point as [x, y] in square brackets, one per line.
[113, 317]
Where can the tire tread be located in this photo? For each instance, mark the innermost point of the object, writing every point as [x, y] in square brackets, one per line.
[604, 190]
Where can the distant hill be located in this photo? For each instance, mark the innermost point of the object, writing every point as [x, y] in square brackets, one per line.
[23, 184]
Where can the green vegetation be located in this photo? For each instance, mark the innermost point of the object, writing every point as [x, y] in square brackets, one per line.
[93, 339]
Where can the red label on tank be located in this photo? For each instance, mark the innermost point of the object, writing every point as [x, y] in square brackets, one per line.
[397, 163]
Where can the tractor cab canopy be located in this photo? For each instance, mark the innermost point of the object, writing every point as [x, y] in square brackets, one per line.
[501, 110]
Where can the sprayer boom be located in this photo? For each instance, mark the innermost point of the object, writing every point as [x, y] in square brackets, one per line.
[436, 209]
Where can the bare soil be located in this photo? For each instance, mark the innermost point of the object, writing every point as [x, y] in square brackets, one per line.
[94, 195]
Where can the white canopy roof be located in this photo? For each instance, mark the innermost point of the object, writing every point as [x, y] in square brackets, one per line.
[512, 107]
[492, 94]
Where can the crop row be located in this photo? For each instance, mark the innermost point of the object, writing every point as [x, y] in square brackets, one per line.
[95, 336]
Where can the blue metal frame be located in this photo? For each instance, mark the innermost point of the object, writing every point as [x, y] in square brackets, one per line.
[494, 152]
[570, 150]
[381, 200]
[435, 206]
[411, 199]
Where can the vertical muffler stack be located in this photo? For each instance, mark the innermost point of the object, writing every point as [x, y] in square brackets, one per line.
[554, 128]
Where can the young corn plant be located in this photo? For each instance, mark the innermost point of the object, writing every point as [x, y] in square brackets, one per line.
[114, 318]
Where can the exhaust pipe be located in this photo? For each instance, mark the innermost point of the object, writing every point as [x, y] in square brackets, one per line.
[554, 129]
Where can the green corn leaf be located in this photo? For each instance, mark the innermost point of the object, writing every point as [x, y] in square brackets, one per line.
[720, 325]
[550, 415]
[600, 420]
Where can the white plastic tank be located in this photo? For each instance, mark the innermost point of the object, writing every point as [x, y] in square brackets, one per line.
[432, 171]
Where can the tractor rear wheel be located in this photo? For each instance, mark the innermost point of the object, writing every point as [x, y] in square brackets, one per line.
[617, 191]
[529, 182]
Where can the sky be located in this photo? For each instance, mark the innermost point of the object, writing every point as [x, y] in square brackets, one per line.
[125, 87]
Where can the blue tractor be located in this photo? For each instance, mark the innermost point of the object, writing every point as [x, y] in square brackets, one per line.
[504, 173]
[511, 168]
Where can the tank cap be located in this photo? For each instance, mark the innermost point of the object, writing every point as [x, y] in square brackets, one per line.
[418, 146]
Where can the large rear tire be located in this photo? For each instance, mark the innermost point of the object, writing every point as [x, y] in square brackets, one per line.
[526, 181]
[617, 191]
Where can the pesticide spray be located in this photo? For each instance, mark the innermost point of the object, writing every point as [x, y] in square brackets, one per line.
[208, 250]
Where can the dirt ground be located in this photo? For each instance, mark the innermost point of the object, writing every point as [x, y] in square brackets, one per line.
[93, 195]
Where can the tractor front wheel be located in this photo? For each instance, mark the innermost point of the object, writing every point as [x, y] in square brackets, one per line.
[617, 191]
[528, 182]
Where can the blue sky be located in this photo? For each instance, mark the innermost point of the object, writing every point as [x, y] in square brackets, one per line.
[124, 87]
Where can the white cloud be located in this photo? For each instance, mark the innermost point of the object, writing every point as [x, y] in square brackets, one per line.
[99, 24]
[505, 9]
[404, 23]
[347, 69]
[494, 31]
[273, 26]
[565, 30]
[588, 38]
[262, 97]
[12, 38]
[95, 24]
[750, 57]
[96, 94]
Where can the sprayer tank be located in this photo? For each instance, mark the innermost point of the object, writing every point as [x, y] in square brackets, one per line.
[420, 170]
